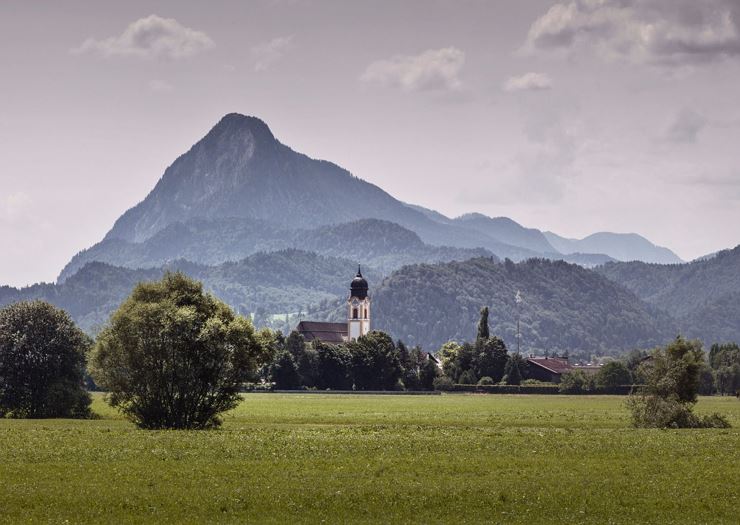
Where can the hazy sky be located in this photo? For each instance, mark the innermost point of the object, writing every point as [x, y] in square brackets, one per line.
[571, 116]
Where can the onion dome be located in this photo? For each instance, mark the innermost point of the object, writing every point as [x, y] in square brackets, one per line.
[358, 288]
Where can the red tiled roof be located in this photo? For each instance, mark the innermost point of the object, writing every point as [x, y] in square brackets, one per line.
[556, 365]
[326, 332]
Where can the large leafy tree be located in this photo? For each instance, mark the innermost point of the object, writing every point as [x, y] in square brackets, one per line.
[483, 330]
[173, 356]
[284, 372]
[375, 362]
[516, 368]
[42, 362]
[490, 358]
[334, 364]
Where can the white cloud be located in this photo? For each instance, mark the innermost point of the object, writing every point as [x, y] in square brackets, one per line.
[528, 82]
[685, 127]
[432, 70]
[267, 53]
[668, 32]
[151, 37]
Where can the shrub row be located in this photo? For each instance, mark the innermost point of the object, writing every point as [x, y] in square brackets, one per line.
[532, 389]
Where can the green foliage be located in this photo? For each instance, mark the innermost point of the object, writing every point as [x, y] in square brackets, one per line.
[727, 354]
[490, 358]
[334, 363]
[704, 296]
[375, 362]
[173, 356]
[613, 373]
[443, 383]
[419, 370]
[284, 372]
[575, 382]
[660, 412]
[673, 371]
[672, 382]
[42, 363]
[485, 380]
[483, 330]
[725, 361]
[516, 369]
[567, 307]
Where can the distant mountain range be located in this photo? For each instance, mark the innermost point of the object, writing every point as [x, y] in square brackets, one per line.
[275, 233]
[619, 246]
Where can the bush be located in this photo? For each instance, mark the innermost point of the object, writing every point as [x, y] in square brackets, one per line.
[485, 380]
[468, 378]
[574, 382]
[658, 412]
[42, 363]
[534, 382]
[443, 383]
[612, 374]
[175, 357]
[672, 382]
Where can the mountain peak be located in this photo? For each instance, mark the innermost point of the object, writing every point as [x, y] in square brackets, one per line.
[238, 123]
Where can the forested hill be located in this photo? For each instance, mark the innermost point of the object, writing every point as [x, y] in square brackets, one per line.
[264, 284]
[383, 245]
[703, 296]
[565, 307]
[680, 288]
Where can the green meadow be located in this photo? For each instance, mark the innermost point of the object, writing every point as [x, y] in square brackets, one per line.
[377, 459]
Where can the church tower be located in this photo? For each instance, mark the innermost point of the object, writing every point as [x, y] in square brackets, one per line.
[358, 308]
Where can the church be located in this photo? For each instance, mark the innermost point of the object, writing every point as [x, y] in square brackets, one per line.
[358, 317]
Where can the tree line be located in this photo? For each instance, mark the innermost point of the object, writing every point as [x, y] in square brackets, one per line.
[173, 356]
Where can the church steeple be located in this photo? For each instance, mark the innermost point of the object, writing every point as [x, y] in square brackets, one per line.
[358, 307]
[358, 288]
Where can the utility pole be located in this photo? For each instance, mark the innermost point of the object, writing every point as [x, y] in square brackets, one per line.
[518, 300]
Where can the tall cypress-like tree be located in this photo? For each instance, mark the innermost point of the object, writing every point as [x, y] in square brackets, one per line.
[483, 331]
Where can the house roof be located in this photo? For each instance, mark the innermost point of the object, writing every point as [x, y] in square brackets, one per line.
[556, 365]
[326, 332]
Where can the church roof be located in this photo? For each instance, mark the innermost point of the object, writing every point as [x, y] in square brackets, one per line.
[326, 332]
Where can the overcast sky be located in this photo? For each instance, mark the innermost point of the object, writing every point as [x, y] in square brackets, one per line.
[571, 116]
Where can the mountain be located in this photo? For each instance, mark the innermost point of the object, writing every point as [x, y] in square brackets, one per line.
[507, 231]
[380, 244]
[565, 308]
[240, 170]
[679, 288]
[703, 296]
[620, 246]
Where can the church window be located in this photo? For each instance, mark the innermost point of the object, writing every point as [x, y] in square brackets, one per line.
[354, 313]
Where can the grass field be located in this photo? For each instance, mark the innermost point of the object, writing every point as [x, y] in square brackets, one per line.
[377, 459]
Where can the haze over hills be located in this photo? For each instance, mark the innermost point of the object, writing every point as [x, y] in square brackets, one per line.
[285, 281]
[619, 246]
[680, 289]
